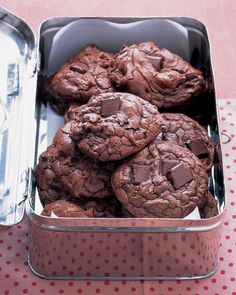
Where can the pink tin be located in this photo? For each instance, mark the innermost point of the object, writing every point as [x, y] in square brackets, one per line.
[86, 248]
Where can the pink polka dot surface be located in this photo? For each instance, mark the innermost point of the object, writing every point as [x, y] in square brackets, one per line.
[16, 277]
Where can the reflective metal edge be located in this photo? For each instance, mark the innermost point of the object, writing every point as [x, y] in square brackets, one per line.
[89, 278]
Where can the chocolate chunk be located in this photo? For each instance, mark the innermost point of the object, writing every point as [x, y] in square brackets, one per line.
[180, 175]
[156, 61]
[110, 106]
[166, 165]
[79, 67]
[198, 147]
[141, 173]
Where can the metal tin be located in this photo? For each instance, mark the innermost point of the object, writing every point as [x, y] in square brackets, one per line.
[140, 248]
[17, 100]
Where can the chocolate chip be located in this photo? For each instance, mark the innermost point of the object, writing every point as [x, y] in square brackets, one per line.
[123, 47]
[141, 173]
[79, 67]
[110, 106]
[180, 175]
[166, 165]
[198, 147]
[156, 61]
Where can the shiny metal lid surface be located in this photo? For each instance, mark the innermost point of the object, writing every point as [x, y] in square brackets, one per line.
[17, 96]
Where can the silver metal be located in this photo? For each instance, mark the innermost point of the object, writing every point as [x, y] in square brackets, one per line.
[56, 243]
[141, 278]
[17, 94]
[227, 137]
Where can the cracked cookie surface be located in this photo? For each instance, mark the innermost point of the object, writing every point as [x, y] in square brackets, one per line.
[49, 186]
[189, 134]
[84, 75]
[62, 208]
[162, 180]
[113, 126]
[72, 112]
[157, 75]
[75, 174]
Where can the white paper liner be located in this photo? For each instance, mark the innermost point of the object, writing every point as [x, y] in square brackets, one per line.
[111, 36]
[194, 215]
[53, 215]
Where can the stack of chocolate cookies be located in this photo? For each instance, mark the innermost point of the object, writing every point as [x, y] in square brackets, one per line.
[120, 153]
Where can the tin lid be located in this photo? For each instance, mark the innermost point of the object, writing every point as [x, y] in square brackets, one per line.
[17, 98]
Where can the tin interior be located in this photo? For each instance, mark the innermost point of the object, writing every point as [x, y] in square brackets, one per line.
[16, 100]
[203, 109]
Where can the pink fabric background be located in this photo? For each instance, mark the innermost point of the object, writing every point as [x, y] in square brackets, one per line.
[220, 18]
[218, 15]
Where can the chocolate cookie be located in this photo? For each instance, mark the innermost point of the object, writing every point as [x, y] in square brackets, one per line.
[210, 207]
[188, 133]
[162, 180]
[72, 113]
[81, 77]
[48, 183]
[113, 126]
[157, 75]
[75, 174]
[62, 208]
[64, 144]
